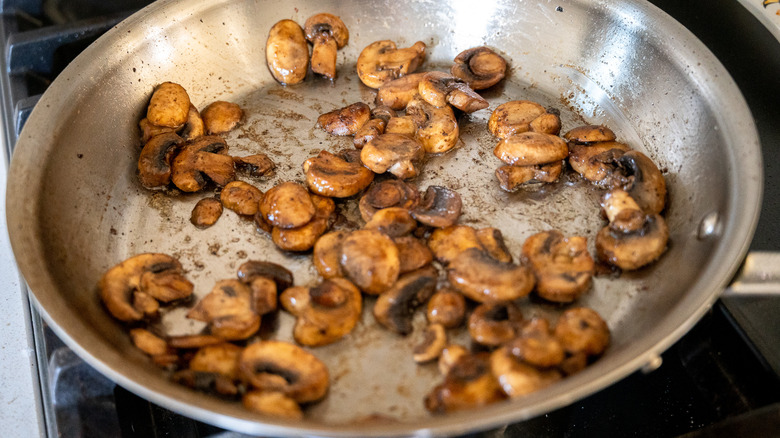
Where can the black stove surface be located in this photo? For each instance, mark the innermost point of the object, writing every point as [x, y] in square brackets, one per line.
[712, 382]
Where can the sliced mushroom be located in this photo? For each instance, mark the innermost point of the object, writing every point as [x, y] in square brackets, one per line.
[514, 117]
[194, 126]
[547, 123]
[531, 148]
[381, 62]
[304, 237]
[329, 175]
[272, 403]
[252, 269]
[492, 241]
[200, 158]
[154, 163]
[631, 246]
[325, 313]
[592, 161]
[395, 307]
[518, 378]
[287, 205]
[449, 356]
[413, 253]
[582, 330]
[480, 67]
[447, 308]
[482, 278]
[264, 295]
[241, 197]
[369, 131]
[255, 165]
[385, 194]
[590, 134]
[440, 207]
[148, 342]
[168, 106]
[393, 153]
[495, 323]
[219, 358]
[186, 342]
[370, 260]
[562, 265]
[433, 343]
[148, 130]
[397, 93]
[622, 211]
[327, 33]
[510, 178]
[220, 117]
[638, 175]
[404, 125]
[468, 384]
[448, 243]
[284, 367]
[120, 285]
[536, 345]
[229, 311]
[287, 53]
[392, 221]
[326, 255]
[345, 121]
[437, 128]
[439, 89]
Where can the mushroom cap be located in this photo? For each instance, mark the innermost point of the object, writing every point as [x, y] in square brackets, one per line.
[447, 308]
[434, 87]
[168, 106]
[326, 255]
[154, 163]
[345, 121]
[531, 148]
[304, 237]
[590, 134]
[329, 175]
[518, 378]
[388, 193]
[369, 131]
[201, 158]
[370, 260]
[562, 265]
[220, 117]
[287, 53]
[328, 25]
[495, 323]
[229, 310]
[482, 278]
[440, 207]
[447, 243]
[433, 343]
[413, 253]
[122, 281]
[582, 330]
[397, 93]
[640, 177]
[480, 67]
[219, 358]
[592, 160]
[633, 250]
[394, 153]
[536, 345]
[395, 307]
[287, 205]
[255, 164]
[468, 384]
[392, 221]
[492, 241]
[382, 61]
[241, 197]
[437, 128]
[514, 117]
[252, 269]
[284, 367]
[194, 126]
[272, 403]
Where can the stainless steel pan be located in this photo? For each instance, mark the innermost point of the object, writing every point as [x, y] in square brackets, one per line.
[75, 206]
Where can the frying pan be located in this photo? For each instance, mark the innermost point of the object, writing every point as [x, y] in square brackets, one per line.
[75, 207]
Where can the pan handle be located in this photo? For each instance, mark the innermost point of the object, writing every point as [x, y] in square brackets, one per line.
[753, 301]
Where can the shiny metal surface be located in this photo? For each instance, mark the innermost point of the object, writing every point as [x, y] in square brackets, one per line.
[75, 207]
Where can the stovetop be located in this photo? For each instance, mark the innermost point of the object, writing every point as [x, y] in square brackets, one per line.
[712, 382]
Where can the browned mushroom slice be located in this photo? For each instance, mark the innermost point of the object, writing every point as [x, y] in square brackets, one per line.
[185, 342]
[439, 89]
[272, 403]
[482, 278]
[165, 285]
[219, 358]
[440, 207]
[287, 53]
[510, 178]
[369, 131]
[404, 125]
[413, 253]
[327, 33]
[148, 130]
[264, 295]
[385, 194]
[493, 324]
[437, 128]
[329, 175]
[304, 237]
[220, 117]
[255, 165]
[148, 342]
[531, 148]
[241, 197]
[395, 307]
[370, 260]
[547, 123]
[287, 205]
[450, 356]
[562, 265]
[392, 221]
[468, 384]
[200, 158]
[632, 239]
[536, 345]
[325, 313]
[590, 134]
[228, 309]
[284, 367]
[345, 121]
[638, 175]
[518, 378]
[253, 269]
[492, 241]
[514, 117]
[194, 126]
[446, 307]
[480, 67]
[393, 153]
[447, 243]
[168, 106]
[396, 94]
[582, 330]
[120, 285]
[154, 163]
[433, 343]
[465, 99]
[326, 255]
[381, 62]
[593, 161]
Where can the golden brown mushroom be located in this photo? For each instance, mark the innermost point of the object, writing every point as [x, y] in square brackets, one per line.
[168, 106]
[241, 197]
[329, 175]
[433, 343]
[287, 205]
[440, 207]
[517, 377]
[562, 265]
[204, 157]
[482, 278]
[345, 121]
[229, 311]
[439, 89]
[447, 308]
[495, 323]
[304, 237]
[531, 148]
[370, 260]
[393, 153]
[397, 93]
[437, 128]
[468, 384]
[220, 117]
[206, 212]
[327, 33]
[387, 193]
[287, 53]
[382, 61]
[154, 163]
[480, 67]
[272, 403]
[395, 307]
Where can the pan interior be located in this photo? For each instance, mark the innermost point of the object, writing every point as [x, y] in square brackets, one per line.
[85, 211]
